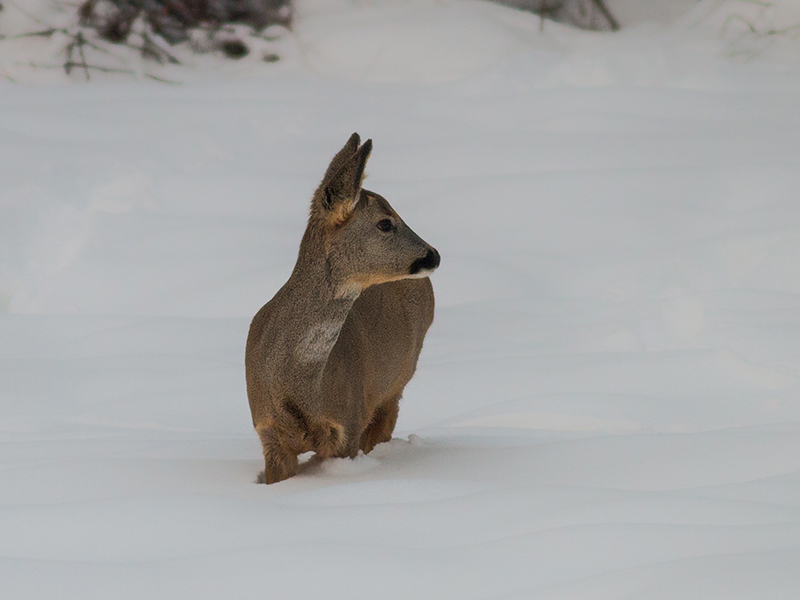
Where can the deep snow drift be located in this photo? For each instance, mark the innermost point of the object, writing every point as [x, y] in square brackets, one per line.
[606, 405]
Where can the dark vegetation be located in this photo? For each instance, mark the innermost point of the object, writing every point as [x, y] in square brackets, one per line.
[585, 14]
[227, 27]
[175, 20]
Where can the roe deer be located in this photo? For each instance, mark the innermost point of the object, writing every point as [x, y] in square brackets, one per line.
[328, 357]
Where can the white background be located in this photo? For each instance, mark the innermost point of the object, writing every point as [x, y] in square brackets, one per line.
[606, 405]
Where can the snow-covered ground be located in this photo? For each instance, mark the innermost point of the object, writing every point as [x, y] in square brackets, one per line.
[607, 405]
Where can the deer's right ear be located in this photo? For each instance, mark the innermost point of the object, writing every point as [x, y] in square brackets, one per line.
[339, 193]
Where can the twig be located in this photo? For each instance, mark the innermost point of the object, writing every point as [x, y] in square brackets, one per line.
[783, 31]
[87, 66]
[757, 3]
[150, 49]
[83, 55]
[45, 33]
[77, 42]
[747, 22]
[161, 79]
[601, 6]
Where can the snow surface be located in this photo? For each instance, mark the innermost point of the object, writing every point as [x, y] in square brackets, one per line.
[606, 406]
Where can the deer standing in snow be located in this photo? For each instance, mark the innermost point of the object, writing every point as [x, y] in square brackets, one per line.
[328, 357]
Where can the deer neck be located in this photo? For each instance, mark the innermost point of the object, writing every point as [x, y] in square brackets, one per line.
[316, 306]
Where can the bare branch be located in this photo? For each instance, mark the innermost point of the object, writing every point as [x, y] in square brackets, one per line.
[601, 6]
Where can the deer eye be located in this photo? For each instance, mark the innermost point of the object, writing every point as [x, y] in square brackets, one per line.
[384, 225]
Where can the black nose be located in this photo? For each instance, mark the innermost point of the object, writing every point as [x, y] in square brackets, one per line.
[427, 263]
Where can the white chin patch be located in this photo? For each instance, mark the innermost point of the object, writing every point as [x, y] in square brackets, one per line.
[421, 274]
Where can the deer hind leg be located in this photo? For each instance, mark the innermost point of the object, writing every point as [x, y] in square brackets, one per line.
[280, 453]
[381, 426]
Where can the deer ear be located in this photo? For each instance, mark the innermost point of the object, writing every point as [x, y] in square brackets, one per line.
[339, 193]
[341, 157]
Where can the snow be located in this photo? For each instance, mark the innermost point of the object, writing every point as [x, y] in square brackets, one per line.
[606, 406]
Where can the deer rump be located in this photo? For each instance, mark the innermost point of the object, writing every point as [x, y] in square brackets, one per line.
[328, 357]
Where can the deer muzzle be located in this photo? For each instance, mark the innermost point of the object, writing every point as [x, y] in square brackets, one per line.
[426, 264]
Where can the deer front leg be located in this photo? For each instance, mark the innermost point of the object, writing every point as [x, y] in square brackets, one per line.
[349, 447]
[328, 438]
[280, 458]
[381, 426]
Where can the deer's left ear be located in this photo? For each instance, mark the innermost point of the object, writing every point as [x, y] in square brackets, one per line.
[342, 156]
[338, 195]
